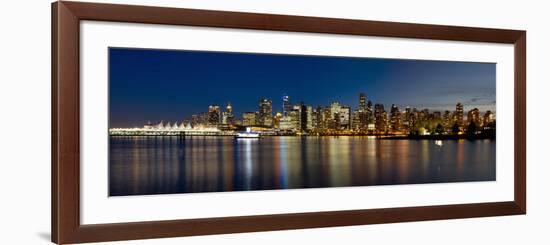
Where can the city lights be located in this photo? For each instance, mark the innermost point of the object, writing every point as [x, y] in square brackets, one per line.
[333, 119]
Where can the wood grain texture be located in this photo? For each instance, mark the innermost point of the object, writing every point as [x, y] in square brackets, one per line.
[66, 17]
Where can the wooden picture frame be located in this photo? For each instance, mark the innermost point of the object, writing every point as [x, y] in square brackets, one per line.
[65, 175]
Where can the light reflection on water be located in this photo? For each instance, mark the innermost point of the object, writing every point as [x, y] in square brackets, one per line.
[162, 165]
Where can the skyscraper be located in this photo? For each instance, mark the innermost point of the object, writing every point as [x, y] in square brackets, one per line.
[306, 117]
[361, 116]
[309, 115]
[265, 112]
[473, 116]
[229, 108]
[227, 115]
[344, 114]
[395, 118]
[380, 117]
[459, 115]
[214, 115]
[362, 102]
[370, 114]
[447, 119]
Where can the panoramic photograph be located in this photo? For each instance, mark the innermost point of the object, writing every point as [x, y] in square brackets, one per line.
[203, 121]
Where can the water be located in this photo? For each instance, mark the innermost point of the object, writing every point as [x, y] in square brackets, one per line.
[162, 165]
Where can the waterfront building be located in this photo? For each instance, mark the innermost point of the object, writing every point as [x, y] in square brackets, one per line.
[265, 112]
[380, 117]
[199, 119]
[328, 121]
[362, 102]
[344, 117]
[360, 117]
[459, 115]
[295, 117]
[447, 120]
[250, 118]
[309, 120]
[286, 105]
[405, 120]
[355, 122]
[339, 116]
[175, 126]
[277, 119]
[227, 115]
[148, 125]
[473, 116]
[214, 115]
[334, 109]
[395, 119]
[317, 118]
[370, 113]
[488, 118]
[303, 117]
[291, 122]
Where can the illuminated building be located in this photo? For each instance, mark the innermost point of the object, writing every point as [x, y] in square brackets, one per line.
[344, 114]
[317, 118]
[459, 115]
[360, 117]
[214, 115]
[227, 115]
[250, 118]
[148, 125]
[362, 102]
[405, 120]
[291, 122]
[395, 118]
[339, 116]
[265, 114]
[370, 113]
[473, 116]
[355, 122]
[488, 118]
[447, 119]
[328, 121]
[199, 119]
[286, 105]
[277, 119]
[380, 118]
[306, 118]
[303, 117]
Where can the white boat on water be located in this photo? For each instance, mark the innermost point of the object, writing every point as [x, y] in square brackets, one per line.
[248, 134]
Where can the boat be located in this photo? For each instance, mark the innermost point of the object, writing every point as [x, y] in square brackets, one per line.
[248, 134]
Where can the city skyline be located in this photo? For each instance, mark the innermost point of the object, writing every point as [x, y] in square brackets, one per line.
[140, 95]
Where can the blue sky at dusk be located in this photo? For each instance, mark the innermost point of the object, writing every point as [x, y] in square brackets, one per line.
[170, 85]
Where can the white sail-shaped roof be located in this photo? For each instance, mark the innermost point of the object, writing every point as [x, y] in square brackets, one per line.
[182, 125]
[167, 126]
[175, 126]
[160, 125]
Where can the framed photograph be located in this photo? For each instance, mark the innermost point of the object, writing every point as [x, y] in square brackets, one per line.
[176, 122]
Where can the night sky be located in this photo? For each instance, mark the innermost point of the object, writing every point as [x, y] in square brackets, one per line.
[171, 85]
